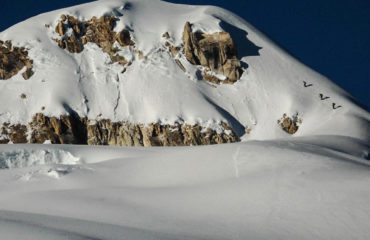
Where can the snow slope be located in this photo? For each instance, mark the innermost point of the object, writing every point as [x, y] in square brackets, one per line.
[313, 185]
[156, 89]
[301, 188]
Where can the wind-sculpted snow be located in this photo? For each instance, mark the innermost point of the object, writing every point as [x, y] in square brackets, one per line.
[300, 188]
[18, 225]
[26, 158]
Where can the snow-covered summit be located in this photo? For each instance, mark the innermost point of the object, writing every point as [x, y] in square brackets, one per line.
[149, 73]
[160, 86]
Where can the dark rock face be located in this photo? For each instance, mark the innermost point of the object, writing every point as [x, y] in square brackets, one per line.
[96, 30]
[216, 51]
[12, 60]
[76, 130]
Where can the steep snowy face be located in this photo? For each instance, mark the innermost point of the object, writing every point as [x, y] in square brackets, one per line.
[150, 73]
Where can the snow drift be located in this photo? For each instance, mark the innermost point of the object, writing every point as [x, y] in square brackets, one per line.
[298, 188]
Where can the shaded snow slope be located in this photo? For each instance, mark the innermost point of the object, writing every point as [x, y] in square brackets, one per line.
[301, 188]
[157, 90]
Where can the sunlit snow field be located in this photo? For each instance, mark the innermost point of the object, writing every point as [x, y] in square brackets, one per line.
[306, 188]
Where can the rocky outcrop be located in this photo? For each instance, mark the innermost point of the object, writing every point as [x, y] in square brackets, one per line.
[75, 130]
[13, 60]
[178, 62]
[173, 50]
[16, 133]
[290, 124]
[62, 130]
[215, 51]
[124, 38]
[105, 132]
[96, 30]
[209, 77]
[166, 35]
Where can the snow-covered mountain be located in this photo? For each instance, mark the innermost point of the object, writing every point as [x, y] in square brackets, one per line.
[156, 73]
[152, 73]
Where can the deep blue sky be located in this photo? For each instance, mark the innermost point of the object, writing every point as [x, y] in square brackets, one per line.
[330, 36]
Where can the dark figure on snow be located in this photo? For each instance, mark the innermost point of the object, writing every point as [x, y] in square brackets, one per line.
[307, 85]
[322, 97]
[335, 106]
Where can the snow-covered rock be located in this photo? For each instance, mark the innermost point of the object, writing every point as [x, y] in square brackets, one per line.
[126, 62]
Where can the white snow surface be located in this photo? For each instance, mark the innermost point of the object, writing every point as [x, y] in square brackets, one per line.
[298, 188]
[156, 89]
